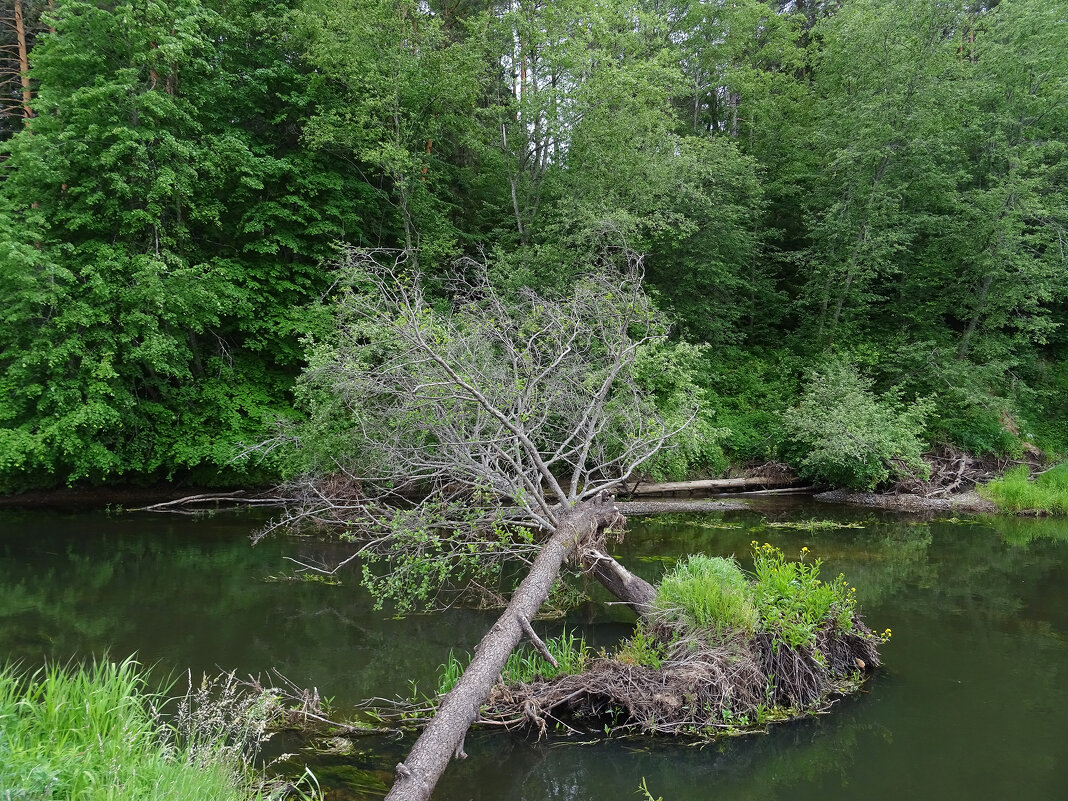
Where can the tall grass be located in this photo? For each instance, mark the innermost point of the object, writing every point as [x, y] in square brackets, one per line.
[784, 597]
[94, 734]
[709, 593]
[525, 664]
[1015, 492]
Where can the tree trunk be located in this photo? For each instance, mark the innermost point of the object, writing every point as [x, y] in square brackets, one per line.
[735, 100]
[726, 484]
[24, 60]
[633, 590]
[444, 736]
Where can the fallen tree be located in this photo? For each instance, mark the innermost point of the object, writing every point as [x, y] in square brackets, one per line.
[715, 650]
[714, 485]
[451, 436]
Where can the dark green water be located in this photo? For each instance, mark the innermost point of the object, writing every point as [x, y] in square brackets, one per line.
[972, 703]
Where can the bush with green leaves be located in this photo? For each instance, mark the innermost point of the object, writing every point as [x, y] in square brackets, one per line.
[793, 601]
[971, 403]
[843, 434]
[1046, 412]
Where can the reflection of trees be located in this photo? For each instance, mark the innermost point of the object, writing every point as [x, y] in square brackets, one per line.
[975, 570]
[979, 613]
[184, 593]
[926, 567]
[1022, 530]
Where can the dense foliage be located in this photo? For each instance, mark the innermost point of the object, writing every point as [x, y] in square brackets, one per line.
[846, 436]
[881, 183]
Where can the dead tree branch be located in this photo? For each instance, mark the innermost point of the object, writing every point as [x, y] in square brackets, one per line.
[493, 411]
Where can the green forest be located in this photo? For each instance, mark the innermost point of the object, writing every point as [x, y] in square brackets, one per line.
[854, 215]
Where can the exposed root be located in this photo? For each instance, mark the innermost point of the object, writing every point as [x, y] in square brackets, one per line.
[953, 471]
[698, 689]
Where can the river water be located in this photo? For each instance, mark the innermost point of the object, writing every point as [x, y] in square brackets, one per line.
[971, 704]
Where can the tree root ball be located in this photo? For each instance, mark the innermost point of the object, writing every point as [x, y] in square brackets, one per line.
[700, 688]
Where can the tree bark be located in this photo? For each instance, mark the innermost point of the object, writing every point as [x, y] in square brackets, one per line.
[24, 60]
[444, 736]
[634, 591]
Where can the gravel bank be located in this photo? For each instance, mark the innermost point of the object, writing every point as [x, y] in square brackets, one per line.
[964, 502]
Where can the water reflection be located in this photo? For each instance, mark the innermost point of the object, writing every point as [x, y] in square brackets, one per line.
[970, 705]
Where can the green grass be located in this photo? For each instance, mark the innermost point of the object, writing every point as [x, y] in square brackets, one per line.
[524, 665]
[1016, 492]
[642, 649]
[786, 598]
[709, 593]
[94, 734]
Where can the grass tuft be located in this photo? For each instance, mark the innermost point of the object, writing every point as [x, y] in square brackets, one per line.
[709, 592]
[786, 598]
[524, 665]
[1016, 492]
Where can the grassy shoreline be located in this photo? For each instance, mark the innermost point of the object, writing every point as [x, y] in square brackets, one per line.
[95, 733]
[1016, 492]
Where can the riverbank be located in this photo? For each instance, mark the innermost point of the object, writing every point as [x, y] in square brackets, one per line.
[134, 498]
[96, 732]
[934, 499]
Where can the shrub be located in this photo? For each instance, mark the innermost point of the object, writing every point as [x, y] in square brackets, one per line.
[793, 601]
[846, 436]
[709, 593]
[1015, 492]
[644, 649]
